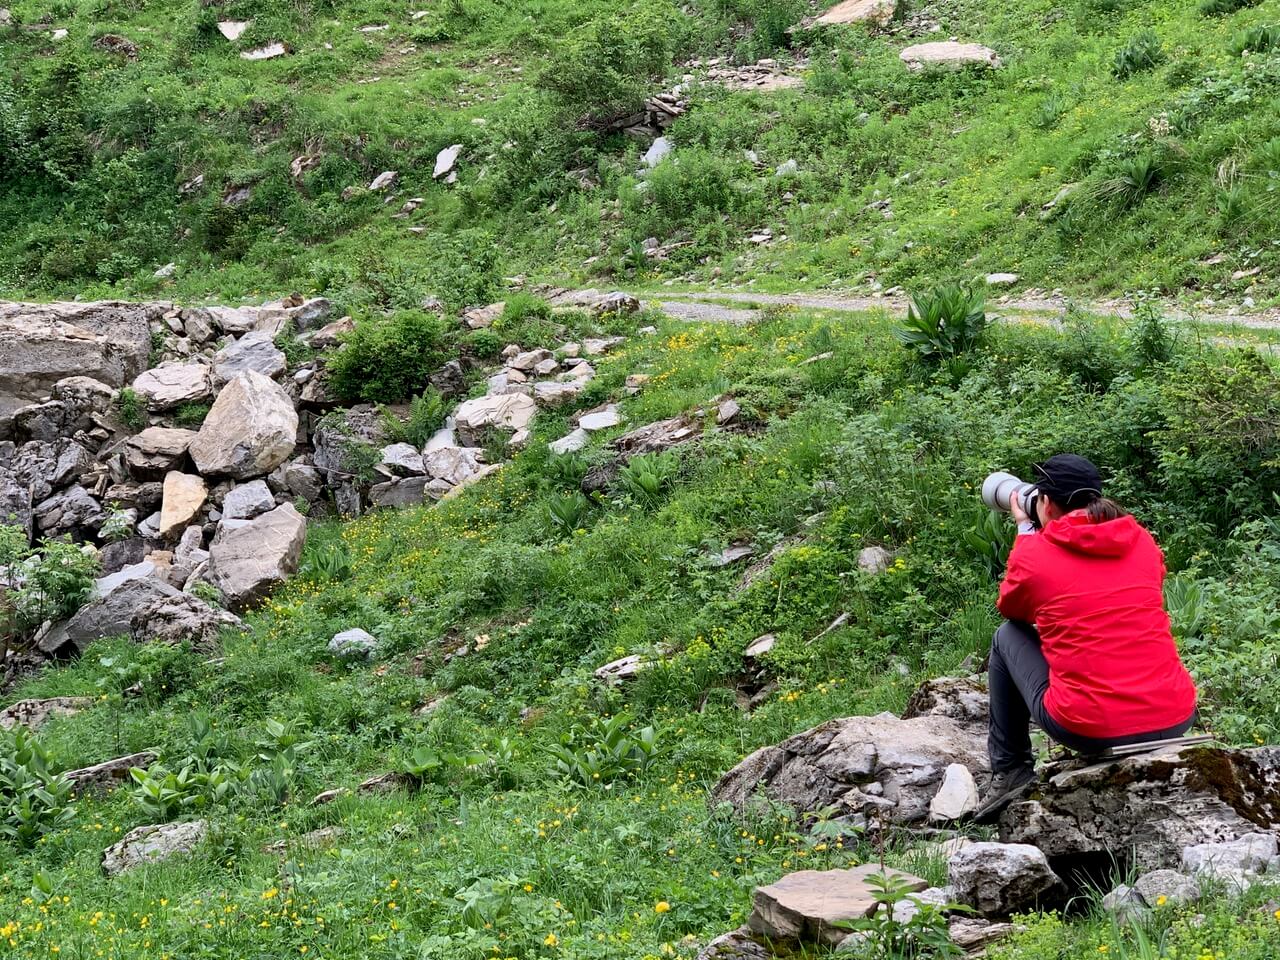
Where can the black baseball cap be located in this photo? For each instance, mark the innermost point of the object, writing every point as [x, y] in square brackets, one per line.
[1069, 480]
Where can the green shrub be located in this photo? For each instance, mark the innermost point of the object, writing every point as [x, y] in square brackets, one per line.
[1134, 179]
[53, 581]
[34, 801]
[647, 478]
[387, 359]
[1142, 52]
[133, 409]
[191, 415]
[944, 322]
[599, 752]
[1220, 8]
[1259, 39]
[606, 67]
[485, 344]
[568, 511]
[427, 413]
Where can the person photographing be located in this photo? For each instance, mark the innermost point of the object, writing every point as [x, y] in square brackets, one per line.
[1086, 650]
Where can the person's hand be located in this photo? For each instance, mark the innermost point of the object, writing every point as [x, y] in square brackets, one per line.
[1019, 515]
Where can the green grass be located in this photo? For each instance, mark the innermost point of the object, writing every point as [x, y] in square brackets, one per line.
[96, 148]
[864, 448]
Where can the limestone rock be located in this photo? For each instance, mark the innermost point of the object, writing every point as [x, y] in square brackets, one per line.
[251, 429]
[15, 504]
[659, 150]
[625, 668]
[956, 798]
[254, 351]
[656, 437]
[869, 768]
[41, 344]
[331, 335]
[454, 465]
[1234, 862]
[602, 419]
[874, 559]
[482, 317]
[304, 480]
[354, 644]
[964, 700]
[156, 450]
[72, 511]
[999, 879]
[615, 304]
[181, 618]
[402, 460]
[110, 773]
[879, 12]
[184, 495]
[174, 383]
[1125, 905]
[805, 906]
[1176, 888]
[737, 944]
[112, 615]
[555, 394]
[34, 714]
[105, 586]
[508, 412]
[407, 492]
[446, 161]
[971, 934]
[247, 562]
[1152, 804]
[232, 29]
[570, 442]
[268, 52]
[247, 500]
[153, 843]
[948, 55]
[384, 181]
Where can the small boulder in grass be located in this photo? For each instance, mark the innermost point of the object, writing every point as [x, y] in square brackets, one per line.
[354, 644]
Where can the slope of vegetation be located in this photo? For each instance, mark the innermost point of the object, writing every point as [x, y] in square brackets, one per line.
[545, 814]
[1147, 120]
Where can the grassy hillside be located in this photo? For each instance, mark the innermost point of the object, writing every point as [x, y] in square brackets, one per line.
[1160, 111]
[525, 835]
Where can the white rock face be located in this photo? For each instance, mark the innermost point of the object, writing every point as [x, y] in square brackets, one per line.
[245, 563]
[1236, 863]
[511, 411]
[153, 844]
[156, 449]
[657, 152]
[269, 52]
[1001, 279]
[999, 879]
[956, 798]
[172, 384]
[233, 29]
[454, 465]
[601, 419]
[248, 500]
[184, 495]
[384, 181]
[251, 429]
[402, 460]
[254, 351]
[879, 12]
[570, 442]
[446, 160]
[353, 644]
[948, 55]
[812, 905]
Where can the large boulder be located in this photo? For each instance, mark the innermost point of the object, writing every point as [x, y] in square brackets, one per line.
[184, 495]
[1000, 879]
[153, 843]
[948, 55]
[155, 451]
[1143, 810]
[509, 411]
[254, 351]
[174, 383]
[872, 770]
[248, 500]
[15, 504]
[245, 563]
[251, 429]
[172, 620]
[41, 344]
[73, 511]
[454, 465]
[879, 12]
[111, 615]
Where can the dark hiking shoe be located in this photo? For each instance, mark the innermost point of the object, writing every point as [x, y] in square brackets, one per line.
[1005, 788]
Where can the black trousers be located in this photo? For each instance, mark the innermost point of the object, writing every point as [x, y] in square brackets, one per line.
[1017, 679]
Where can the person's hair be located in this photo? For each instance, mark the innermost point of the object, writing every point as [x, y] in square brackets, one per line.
[1099, 510]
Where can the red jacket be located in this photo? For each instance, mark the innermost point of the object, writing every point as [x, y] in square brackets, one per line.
[1094, 591]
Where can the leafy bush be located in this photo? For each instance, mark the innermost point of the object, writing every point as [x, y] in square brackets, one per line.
[944, 322]
[568, 511]
[387, 359]
[133, 410]
[1142, 52]
[1220, 8]
[647, 478]
[51, 582]
[191, 415]
[606, 67]
[427, 413]
[924, 934]
[1259, 39]
[605, 750]
[34, 801]
[1133, 180]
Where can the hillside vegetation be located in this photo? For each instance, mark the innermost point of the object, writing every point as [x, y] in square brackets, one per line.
[542, 813]
[1150, 123]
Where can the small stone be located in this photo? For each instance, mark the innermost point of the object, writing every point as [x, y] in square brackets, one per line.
[1001, 279]
[1176, 888]
[956, 798]
[384, 181]
[354, 644]
[153, 844]
[570, 442]
[625, 668]
[999, 879]
[446, 161]
[727, 411]
[600, 420]
[268, 52]
[248, 500]
[760, 646]
[233, 29]
[874, 559]
[659, 150]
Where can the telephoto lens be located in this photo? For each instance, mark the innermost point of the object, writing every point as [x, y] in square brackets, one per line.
[998, 487]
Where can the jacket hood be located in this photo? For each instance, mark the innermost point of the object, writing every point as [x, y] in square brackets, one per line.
[1111, 538]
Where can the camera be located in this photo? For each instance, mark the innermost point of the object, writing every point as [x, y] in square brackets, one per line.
[998, 487]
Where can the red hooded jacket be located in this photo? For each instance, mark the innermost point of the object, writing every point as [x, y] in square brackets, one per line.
[1094, 591]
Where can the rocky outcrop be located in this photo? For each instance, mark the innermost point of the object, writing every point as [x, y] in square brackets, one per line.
[871, 769]
[878, 12]
[34, 714]
[110, 773]
[251, 429]
[245, 563]
[1001, 879]
[948, 55]
[153, 844]
[41, 344]
[1147, 808]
